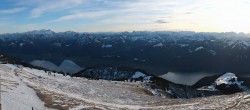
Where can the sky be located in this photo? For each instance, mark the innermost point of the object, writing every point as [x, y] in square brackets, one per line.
[125, 15]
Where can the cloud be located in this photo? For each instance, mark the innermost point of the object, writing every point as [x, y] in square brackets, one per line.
[188, 13]
[145, 6]
[107, 14]
[53, 6]
[11, 11]
[161, 21]
[110, 9]
[80, 15]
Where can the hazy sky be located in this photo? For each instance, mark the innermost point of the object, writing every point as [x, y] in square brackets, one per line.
[125, 15]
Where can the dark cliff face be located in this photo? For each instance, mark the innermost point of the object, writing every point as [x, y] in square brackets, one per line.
[106, 73]
[206, 81]
[154, 52]
[6, 59]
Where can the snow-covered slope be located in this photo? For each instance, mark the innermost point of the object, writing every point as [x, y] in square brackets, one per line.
[138, 74]
[15, 94]
[21, 87]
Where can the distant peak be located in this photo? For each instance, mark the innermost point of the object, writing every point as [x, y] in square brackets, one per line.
[43, 31]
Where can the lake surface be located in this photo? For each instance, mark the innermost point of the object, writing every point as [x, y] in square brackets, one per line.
[185, 78]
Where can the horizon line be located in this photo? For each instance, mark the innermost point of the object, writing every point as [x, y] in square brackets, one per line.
[125, 31]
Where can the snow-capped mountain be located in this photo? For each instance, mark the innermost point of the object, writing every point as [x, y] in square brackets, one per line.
[41, 32]
[228, 79]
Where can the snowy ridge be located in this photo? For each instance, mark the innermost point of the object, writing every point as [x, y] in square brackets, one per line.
[228, 79]
[199, 48]
[138, 74]
[43, 31]
[156, 39]
[158, 45]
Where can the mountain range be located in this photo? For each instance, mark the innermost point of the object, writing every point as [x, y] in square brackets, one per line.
[154, 52]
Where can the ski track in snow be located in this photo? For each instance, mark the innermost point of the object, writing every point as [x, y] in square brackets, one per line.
[16, 95]
[82, 93]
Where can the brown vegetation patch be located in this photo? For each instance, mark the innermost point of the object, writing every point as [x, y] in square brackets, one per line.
[143, 91]
[59, 101]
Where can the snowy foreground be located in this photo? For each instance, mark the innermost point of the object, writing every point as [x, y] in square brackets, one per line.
[24, 88]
